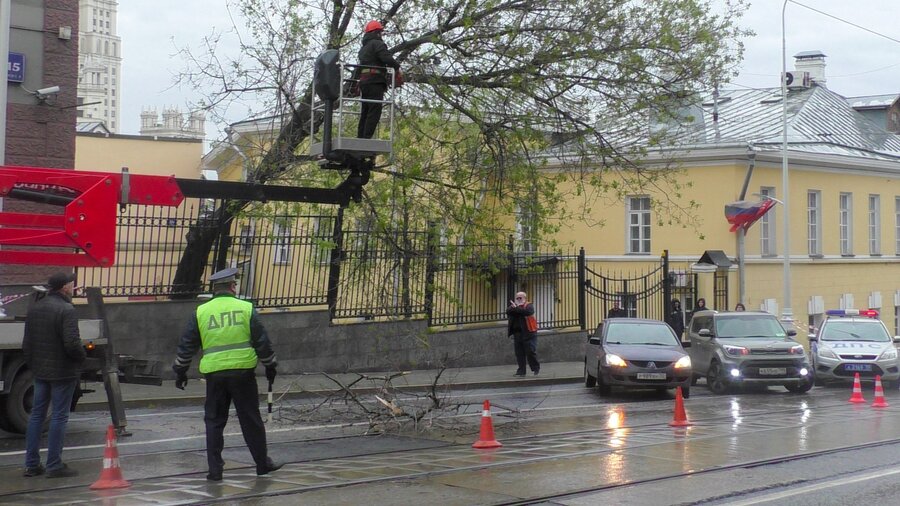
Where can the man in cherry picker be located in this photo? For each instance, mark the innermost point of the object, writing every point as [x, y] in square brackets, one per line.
[374, 58]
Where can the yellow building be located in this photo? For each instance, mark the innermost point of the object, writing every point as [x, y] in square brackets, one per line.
[149, 239]
[844, 198]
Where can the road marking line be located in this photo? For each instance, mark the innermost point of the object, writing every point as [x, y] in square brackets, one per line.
[809, 488]
[186, 438]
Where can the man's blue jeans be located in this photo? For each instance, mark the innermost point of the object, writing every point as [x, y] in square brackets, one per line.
[58, 396]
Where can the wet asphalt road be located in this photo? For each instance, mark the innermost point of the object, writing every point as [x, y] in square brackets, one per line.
[557, 439]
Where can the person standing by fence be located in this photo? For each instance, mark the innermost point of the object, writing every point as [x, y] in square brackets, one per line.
[522, 328]
[675, 318]
[54, 352]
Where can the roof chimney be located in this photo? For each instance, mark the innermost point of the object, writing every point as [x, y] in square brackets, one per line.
[812, 62]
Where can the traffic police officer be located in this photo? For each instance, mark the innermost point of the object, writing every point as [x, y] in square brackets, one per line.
[232, 337]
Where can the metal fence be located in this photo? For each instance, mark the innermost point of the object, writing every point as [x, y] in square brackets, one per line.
[294, 259]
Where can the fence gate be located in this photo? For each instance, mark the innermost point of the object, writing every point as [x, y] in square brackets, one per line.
[642, 293]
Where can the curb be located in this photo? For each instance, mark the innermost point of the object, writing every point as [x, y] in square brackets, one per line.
[195, 400]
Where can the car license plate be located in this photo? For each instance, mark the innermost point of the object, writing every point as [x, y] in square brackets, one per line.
[858, 367]
[651, 376]
[772, 371]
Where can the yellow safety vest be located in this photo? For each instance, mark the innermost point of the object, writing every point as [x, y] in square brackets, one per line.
[224, 324]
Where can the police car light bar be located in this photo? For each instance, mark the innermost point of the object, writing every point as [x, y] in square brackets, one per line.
[870, 313]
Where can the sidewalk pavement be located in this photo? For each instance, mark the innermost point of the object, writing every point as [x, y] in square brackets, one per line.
[293, 385]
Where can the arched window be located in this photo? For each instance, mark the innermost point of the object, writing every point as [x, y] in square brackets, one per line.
[115, 50]
[106, 47]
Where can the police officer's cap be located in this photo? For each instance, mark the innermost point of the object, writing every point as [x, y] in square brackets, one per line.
[224, 276]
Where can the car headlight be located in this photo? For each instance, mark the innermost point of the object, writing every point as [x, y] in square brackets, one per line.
[683, 362]
[826, 352]
[615, 361]
[735, 351]
[797, 350]
[889, 354]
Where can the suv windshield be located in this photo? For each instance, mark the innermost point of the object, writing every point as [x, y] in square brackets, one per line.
[748, 326]
[640, 333]
[855, 331]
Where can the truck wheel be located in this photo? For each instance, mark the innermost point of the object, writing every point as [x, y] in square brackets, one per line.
[589, 381]
[18, 402]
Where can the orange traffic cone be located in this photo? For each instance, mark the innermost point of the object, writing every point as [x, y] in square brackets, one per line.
[111, 474]
[857, 390]
[680, 418]
[879, 395]
[486, 439]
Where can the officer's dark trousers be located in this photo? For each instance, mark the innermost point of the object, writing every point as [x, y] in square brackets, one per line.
[370, 112]
[526, 348]
[221, 388]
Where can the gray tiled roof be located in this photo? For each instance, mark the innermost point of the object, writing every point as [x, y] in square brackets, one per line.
[819, 121]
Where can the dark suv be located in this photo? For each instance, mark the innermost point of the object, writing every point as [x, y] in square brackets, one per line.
[736, 348]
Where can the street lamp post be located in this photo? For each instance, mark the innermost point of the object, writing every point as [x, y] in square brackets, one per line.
[786, 311]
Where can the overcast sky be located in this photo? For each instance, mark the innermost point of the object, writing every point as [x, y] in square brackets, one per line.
[858, 63]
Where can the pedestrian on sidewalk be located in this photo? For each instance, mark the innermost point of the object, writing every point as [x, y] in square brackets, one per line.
[522, 328]
[675, 318]
[53, 351]
[232, 338]
[617, 311]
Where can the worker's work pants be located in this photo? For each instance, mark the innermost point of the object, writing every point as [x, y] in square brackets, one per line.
[222, 388]
[370, 112]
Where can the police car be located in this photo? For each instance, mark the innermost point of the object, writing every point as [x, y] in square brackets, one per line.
[852, 341]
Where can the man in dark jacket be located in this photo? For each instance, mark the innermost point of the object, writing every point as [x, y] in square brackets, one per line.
[617, 311]
[374, 57]
[53, 352]
[675, 318]
[233, 341]
[524, 340]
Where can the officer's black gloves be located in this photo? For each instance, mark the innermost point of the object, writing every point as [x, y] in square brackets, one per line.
[271, 372]
[181, 376]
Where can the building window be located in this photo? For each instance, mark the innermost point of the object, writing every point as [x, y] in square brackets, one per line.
[767, 226]
[525, 233]
[897, 320]
[245, 242]
[845, 220]
[638, 215]
[814, 221]
[897, 225]
[874, 224]
[282, 233]
[323, 230]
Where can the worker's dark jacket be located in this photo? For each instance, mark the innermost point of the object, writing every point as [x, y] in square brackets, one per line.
[516, 325]
[374, 53]
[52, 345]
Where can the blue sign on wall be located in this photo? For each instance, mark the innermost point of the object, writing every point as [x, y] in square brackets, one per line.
[15, 68]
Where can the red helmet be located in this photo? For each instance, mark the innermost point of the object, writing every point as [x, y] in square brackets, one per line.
[373, 26]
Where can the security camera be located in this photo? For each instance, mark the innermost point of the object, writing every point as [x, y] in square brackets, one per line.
[43, 92]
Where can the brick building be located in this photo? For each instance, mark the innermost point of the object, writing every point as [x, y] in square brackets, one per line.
[40, 130]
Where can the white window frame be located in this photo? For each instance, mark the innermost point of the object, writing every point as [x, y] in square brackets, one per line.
[814, 222]
[874, 224]
[845, 223]
[897, 225]
[767, 244]
[323, 230]
[281, 246]
[897, 320]
[525, 230]
[637, 225]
